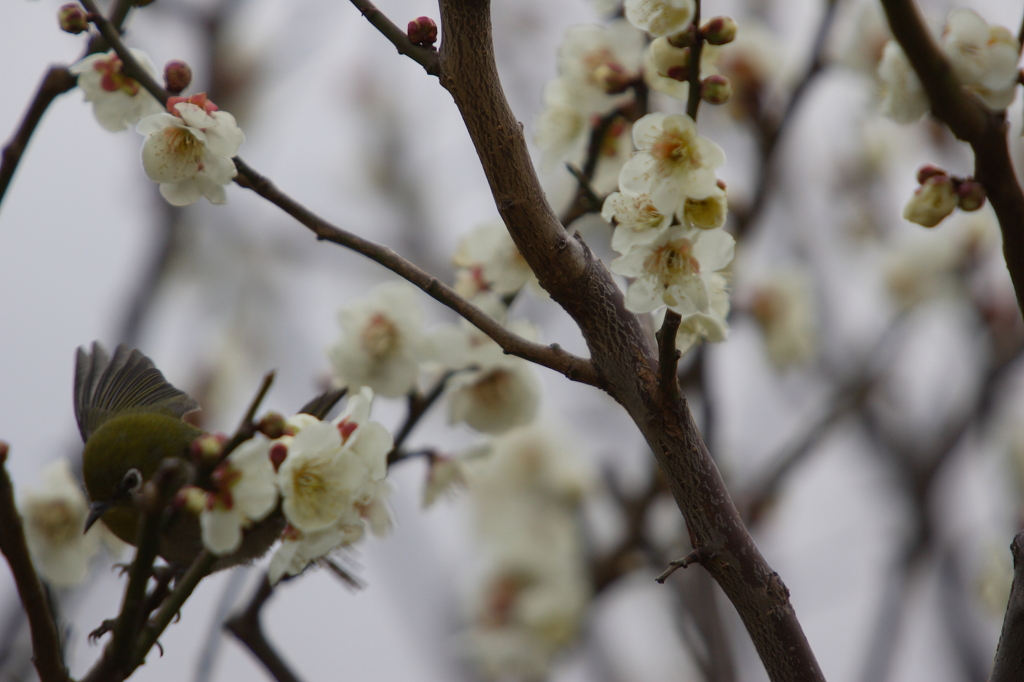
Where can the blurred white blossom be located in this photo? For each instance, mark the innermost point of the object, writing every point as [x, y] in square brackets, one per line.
[54, 517]
[382, 343]
[487, 260]
[783, 304]
[660, 17]
[117, 100]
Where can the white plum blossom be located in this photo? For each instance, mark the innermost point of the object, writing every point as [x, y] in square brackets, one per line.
[673, 270]
[332, 484]
[903, 98]
[383, 342]
[710, 326]
[527, 494]
[935, 199]
[117, 100]
[783, 305]
[666, 68]
[189, 151]
[637, 220]
[54, 518]
[492, 392]
[984, 58]
[562, 127]
[487, 260]
[246, 493]
[672, 163]
[598, 63]
[444, 475]
[708, 212]
[660, 17]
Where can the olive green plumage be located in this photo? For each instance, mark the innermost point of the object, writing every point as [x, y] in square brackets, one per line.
[131, 418]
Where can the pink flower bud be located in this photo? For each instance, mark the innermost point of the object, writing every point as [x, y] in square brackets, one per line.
[716, 90]
[208, 447]
[177, 76]
[73, 18]
[422, 31]
[719, 31]
[925, 172]
[272, 425]
[970, 195]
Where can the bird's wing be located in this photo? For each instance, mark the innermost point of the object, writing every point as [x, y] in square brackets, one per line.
[106, 386]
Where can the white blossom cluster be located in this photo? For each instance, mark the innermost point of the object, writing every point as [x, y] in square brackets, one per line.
[189, 146]
[329, 477]
[526, 493]
[983, 58]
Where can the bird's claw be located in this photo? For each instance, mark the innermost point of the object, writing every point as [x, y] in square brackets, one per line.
[105, 627]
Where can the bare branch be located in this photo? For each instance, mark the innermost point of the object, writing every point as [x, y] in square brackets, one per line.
[424, 56]
[552, 357]
[1009, 663]
[245, 626]
[47, 656]
[668, 357]
[57, 81]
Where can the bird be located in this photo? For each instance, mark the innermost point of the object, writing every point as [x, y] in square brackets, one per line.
[131, 418]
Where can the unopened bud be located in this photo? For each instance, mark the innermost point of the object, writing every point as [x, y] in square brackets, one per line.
[925, 172]
[685, 38]
[422, 31]
[73, 18]
[177, 76]
[932, 201]
[208, 447]
[719, 31]
[191, 499]
[278, 454]
[715, 90]
[669, 61]
[970, 195]
[272, 425]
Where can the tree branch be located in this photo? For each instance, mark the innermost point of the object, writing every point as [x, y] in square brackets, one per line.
[424, 56]
[619, 348]
[1009, 663]
[46, 649]
[245, 626]
[57, 81]
[970, 121]
[552, 357]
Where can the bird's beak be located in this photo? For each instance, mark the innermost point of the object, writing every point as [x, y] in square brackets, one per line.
[96, 510]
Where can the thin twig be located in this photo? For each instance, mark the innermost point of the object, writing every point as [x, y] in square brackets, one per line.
[552, 357]
[130, 65]
[693, 97]
[246, 627]
[424, 56]
[57, 81]
[247, 427]
[418, 406]
[47, 656]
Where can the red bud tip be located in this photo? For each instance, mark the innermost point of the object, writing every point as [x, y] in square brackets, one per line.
[177, 76]
[925, 172]
[422, 31]
[716, 90]
[719, 31]
[970, 195]
[73, 18]
[278, 453]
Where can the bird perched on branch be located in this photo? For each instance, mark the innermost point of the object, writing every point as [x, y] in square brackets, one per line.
[131, 419]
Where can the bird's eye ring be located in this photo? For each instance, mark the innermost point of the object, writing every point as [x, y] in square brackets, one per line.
[132, 481]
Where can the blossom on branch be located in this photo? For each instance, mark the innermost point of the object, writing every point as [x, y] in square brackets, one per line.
[246, 493]
[674, 270]
[710, 326]
[189, 151]
[383, 343]
[117, 100]
[672, 163]
[660, 17]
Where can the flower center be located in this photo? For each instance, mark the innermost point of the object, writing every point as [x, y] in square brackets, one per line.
[380, 338]
[184, 145]
[113, 79]
[491, 389]
[675, 150]
[673, 261]
[56, 522]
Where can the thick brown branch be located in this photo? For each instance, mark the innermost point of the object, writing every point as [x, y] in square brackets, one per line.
[1009, 663]
[46, 651]
[552, 357]
[970, 121]
[619, 348]
[668, 357]
[57, 81]
[424, 56]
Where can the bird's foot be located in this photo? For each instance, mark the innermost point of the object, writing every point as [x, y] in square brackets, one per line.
[105, 627]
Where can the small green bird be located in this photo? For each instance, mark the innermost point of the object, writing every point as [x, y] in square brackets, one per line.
[131, 419]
